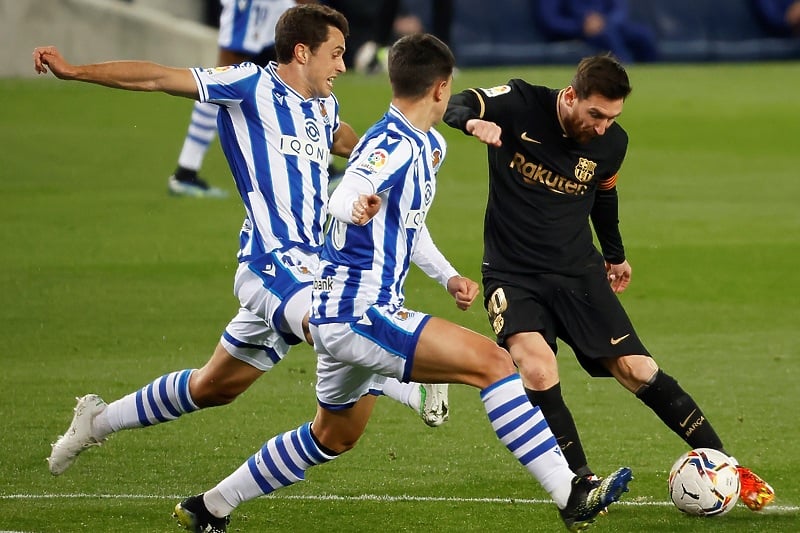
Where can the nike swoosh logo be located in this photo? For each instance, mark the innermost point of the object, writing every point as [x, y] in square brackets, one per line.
[618, 340]
[525, 137]
[683, 424]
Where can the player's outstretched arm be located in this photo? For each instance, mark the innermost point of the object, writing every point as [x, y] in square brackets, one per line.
[465, 112]
[129, 75]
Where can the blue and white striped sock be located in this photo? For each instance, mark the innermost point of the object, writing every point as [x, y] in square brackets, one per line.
[202, 130]
[281, 462]
[523, 429]
[163, 400]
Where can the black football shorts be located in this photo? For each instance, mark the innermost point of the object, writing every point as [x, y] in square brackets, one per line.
[582, 311]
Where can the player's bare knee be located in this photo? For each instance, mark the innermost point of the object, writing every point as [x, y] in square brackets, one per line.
[496, 364]
[633, 371]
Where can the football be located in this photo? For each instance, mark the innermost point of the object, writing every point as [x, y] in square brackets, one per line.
[704, 482]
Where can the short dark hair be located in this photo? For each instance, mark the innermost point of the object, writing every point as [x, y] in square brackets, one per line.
[603, 75]
[308, 24]
[416, 62]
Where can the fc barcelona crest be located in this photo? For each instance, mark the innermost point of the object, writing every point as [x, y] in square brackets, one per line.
[584, 170]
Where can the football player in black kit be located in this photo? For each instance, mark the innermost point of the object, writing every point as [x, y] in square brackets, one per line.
[554, 155]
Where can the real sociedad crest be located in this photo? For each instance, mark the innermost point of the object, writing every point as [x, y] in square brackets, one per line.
[324, 112]
[436, 159]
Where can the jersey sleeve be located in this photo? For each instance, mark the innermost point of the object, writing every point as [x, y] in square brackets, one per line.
[492, 104]
[340, 204]
[226, 85]
[605, 221]
[431, 260]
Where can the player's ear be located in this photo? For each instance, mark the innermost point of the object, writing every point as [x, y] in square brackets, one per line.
[301, 53]
[440, 90]
[570, 95]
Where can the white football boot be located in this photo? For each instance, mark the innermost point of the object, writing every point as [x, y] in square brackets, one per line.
[79, 435]
[433, 404]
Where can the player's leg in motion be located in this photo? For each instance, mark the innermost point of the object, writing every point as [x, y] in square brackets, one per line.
[519, 425]
[560, 420]
[537, 363]
[679, 411]
[512, 309]
[429, 401]
[247, 348]
[164, 399]
[467, 358]
[281, 461]
[201, 132]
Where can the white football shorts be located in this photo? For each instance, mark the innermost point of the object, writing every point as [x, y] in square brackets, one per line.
[274, 294]
[355, 358]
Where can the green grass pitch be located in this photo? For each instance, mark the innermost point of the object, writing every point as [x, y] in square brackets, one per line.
[106, 283]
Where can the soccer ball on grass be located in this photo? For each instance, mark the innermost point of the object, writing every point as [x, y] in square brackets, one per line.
[704, 482]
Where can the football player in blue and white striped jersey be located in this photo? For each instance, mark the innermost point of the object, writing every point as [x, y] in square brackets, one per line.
[277, 128]
[362, 332]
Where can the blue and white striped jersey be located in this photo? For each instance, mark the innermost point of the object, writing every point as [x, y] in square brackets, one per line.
[248, 26]
[277, 144]
[365, 265]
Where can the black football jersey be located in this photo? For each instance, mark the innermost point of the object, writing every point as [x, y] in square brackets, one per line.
[543, 185]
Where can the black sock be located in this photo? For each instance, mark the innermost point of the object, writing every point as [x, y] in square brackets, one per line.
[562, 425]
[184, 174]
[679, 412]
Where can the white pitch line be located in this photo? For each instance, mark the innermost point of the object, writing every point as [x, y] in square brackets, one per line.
[772, 509]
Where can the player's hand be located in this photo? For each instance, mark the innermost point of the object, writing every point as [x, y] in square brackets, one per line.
[619, 276]
[464, 290]
[364, 208]
[49, 56]
[485, 131]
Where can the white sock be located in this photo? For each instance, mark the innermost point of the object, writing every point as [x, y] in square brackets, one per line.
[405, 393]
[164, 399]
[523, 429]
[202, 130]
[281, 462]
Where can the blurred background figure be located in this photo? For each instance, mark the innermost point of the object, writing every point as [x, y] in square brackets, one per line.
[246, 33]
[376, 24]
[780, 17]
[603, 24]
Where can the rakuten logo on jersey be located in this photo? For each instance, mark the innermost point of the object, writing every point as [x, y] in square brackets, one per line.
[304, 148]
[535, 173]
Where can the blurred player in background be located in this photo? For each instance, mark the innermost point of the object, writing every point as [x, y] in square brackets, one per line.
[553, 158]
[605, 25]
[362, 333]
[277, 127]
[780, 17]
[246, 33]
